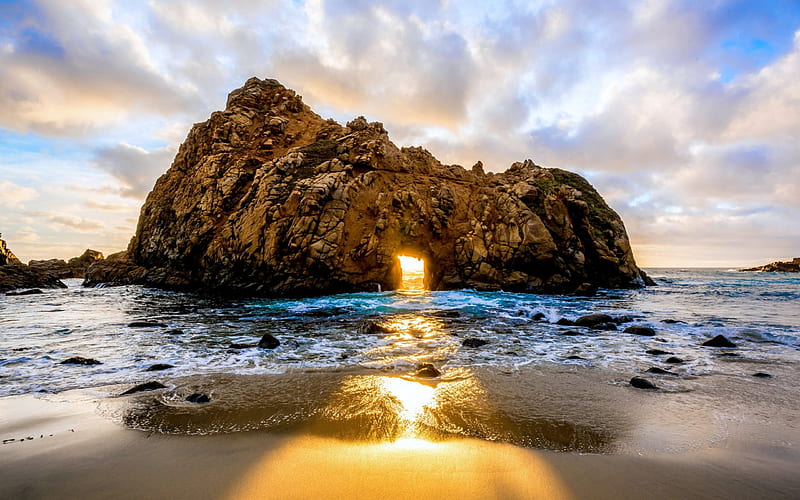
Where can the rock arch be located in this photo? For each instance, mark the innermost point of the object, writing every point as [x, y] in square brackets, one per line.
[267, 197]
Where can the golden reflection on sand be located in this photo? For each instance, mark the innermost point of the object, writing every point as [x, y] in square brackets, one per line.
[413, 397]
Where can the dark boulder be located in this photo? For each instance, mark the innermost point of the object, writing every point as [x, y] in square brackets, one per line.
[592, 320]
[762, 375]
[642, 383]
[79, 360]
[565, 322]
[198, 398]
[147, 386]
[539, 316]
[574, 356]
[612, 327]
[159, 366]
[474, 343]
[32, 291]
[673, 321]
[268, 342]
[571, 333]
[657, 352]
[719, 341]
[585, 290]
[370, 327]
[622, 319]
[659, 371]
[146, 324]
[427, 370]
[674, 360]
[642, 330]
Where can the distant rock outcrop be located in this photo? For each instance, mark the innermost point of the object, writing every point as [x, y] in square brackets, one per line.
[14, 274]
[74, 268]
[267, 197]
[778, 267]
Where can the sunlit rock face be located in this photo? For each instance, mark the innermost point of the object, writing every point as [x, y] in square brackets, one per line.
[267, 197]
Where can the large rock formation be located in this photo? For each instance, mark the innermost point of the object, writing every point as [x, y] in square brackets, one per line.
[267, 197]
[74, 268]
[778, 267]
[14, 274]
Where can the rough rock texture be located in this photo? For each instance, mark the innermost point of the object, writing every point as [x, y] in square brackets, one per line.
[74, 268]
[6, 255]
[778, 267]
[14, 274]
[267, 197]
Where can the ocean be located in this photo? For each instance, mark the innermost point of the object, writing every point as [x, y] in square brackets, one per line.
[759, 312]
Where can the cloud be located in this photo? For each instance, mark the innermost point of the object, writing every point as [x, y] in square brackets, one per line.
[14, 196]
[134, 167]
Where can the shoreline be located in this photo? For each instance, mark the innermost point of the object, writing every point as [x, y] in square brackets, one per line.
[721, 439]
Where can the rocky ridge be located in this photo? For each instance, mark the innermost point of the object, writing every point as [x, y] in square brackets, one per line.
[266, 197]
[778, 267]
[15, 275]
[74, 268]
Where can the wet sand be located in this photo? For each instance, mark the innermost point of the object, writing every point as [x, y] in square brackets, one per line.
[333, 435]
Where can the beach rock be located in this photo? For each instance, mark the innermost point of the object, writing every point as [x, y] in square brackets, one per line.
[32, 291]
[427, 370]
[565, 322]
[762, 375]
[7, 257]
[574, 356]
[585, 290]
[659, 371]
[674, 360]
[673, 321]
[79, 360]
[174, 331]
[198, 398]
[719, 341]
[644, 331]
[622, 319]
[268, 342]
[266, 197]
[159, 366]
[146, 324]
[147, 386]
[592, 320]
[16, 276]
[657, 352]
[778, 267]
[474, 343]
[571, 333]
[538, 317]
[369, 327]
[642, 383]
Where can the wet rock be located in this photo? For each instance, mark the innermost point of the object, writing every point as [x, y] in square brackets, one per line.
[159, 366]
[369, 327]
[642, 383]
[574, 356]
[674, 360]
[267, 197]
[174, 331]
[762, 375]
[719, 341]
[585, 290]
[473, 342]
[198, 397]
[659, 371]
[146, 324]
[147, 386]
[657, 352]
[673, 321]
[268, 342]
[565, 322]
[32, 291]
[571, 333]
[538, 316]
[642, 330]
[622, 319]
[592, 320]
[427, 370]
[79, 360]
[16, 276]
[606, 326]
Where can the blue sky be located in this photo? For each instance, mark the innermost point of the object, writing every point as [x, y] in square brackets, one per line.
[685, 115]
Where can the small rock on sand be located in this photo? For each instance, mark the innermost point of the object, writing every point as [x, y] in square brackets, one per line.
[642, 383]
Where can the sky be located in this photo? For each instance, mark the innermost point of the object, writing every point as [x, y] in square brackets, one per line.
[684, 115]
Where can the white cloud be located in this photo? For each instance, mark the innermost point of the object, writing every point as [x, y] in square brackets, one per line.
[14, 196]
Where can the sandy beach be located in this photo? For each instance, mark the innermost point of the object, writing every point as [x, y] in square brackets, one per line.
[714, 437]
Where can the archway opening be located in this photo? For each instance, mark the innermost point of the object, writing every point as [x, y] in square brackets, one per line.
[413, 270]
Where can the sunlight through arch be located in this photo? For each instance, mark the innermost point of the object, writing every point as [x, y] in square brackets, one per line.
[413, 272]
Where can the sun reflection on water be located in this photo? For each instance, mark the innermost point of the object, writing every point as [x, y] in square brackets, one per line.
[413, 397]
